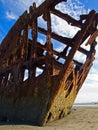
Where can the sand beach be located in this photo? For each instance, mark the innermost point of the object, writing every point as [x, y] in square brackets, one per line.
[82, 117]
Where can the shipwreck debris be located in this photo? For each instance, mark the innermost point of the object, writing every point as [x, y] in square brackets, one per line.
[50, 95]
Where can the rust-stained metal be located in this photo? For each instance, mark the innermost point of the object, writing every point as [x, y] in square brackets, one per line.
[50, 95]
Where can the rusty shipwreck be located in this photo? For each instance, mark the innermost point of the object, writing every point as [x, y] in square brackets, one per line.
[26, 95]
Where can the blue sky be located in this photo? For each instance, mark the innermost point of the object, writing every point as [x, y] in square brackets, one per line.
[10, 10]
[91, 4]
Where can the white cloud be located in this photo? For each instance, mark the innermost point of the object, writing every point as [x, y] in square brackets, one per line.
[88, 92]
[62, 28]
[87, 96]
[17, 7]
[11, 16]
[93, 77]
[73, 8]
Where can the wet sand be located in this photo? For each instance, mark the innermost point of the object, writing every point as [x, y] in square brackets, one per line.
[82, 117]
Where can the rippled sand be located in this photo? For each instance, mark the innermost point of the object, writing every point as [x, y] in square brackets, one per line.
[84, 117]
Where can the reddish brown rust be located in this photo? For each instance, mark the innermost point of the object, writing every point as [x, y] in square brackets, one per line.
[27, 96]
